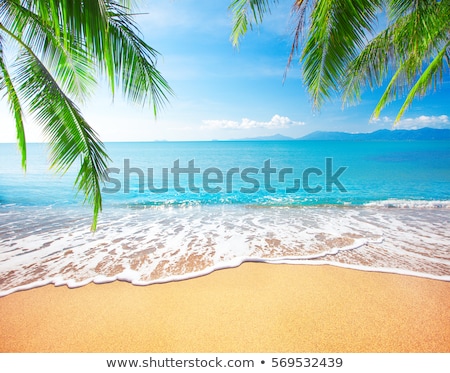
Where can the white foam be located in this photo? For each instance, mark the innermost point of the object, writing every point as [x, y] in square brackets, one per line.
[148, 246]
[411, 204]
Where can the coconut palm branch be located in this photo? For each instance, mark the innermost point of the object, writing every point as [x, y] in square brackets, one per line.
[341, 53]
[245, 14]
[412, 50]
[61, 48]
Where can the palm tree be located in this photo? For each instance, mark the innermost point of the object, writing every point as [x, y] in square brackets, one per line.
[60, 48]
[342, 52]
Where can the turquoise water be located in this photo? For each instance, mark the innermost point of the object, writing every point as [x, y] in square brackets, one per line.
[381, 206]
[374, 171]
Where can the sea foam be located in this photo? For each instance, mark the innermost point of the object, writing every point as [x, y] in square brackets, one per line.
[155, 245]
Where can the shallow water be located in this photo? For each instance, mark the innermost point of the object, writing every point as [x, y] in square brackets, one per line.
[393, 216]
[151, 245]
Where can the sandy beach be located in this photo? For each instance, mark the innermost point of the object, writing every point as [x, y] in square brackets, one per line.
[253, 308]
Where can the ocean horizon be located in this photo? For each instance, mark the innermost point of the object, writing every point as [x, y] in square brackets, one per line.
[176, 210]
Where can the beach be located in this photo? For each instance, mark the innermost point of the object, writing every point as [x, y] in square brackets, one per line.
[256, 307]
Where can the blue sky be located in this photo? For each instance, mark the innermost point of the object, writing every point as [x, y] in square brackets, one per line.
[224, 93]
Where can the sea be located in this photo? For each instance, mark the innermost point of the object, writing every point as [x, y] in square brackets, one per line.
[177, 210]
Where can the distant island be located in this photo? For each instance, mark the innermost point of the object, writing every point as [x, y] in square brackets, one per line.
[422, 134]
[276, 137]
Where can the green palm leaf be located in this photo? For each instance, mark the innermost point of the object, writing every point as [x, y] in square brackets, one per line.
[340, 53]
[140, 81]
[70, 137]
[402, 49]
[245, 13]
[63, 45]
[338, 30]
[70, 64]
[15, 106]
[425, 80]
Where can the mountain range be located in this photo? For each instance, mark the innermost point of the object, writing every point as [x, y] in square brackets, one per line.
[422, 134]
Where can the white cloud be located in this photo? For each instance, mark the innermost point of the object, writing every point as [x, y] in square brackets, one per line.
[440, 121]
[381, 120]
[276, 122]
[435, 121]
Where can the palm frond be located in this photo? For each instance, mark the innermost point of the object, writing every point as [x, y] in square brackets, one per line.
[245, 13]
[425, 80]
[338, 30]
[135, 61]
[370, 67]
[298, 14]
[15, 106]
[397, 9]
[392, 90]
[69, 135]
[402, 49]
[69, 63]
[62, 45]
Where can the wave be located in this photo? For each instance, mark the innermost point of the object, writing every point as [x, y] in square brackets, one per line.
[282, 201]
[410, 204]
[146, 246]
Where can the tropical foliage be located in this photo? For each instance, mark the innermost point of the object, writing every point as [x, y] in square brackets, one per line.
[52, 52]
[342, 49]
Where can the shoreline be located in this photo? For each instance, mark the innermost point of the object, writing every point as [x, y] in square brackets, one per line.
[256, 307]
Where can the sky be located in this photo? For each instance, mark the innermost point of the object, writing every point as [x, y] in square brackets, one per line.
[223, 92]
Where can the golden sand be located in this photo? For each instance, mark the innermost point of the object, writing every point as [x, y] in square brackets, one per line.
[254, 308]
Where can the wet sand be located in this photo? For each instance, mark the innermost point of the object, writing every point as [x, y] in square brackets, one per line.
[253, 308]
